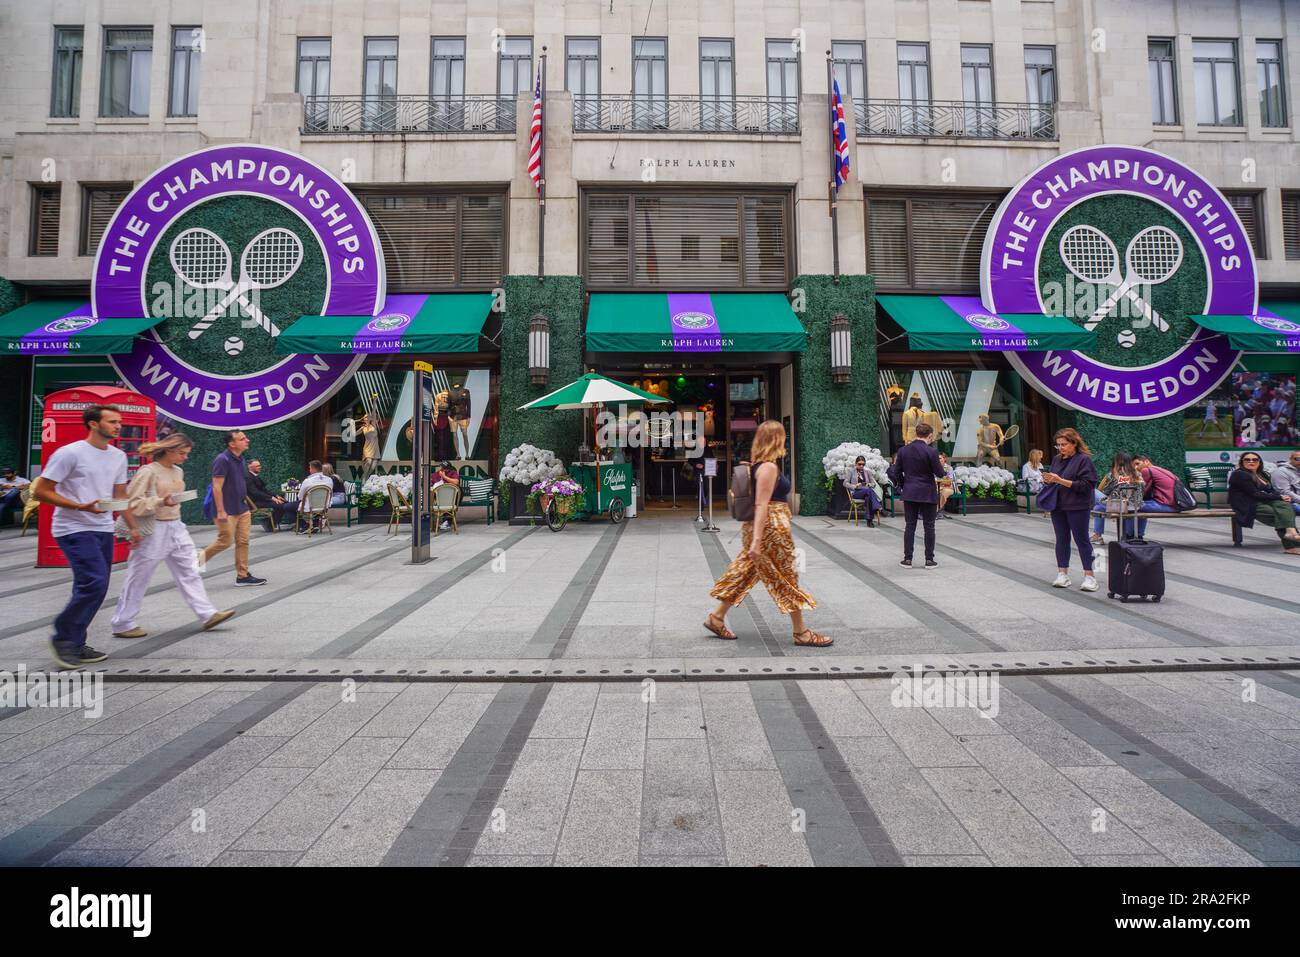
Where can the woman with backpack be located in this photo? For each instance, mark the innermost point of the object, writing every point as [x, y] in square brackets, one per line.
[152, 496]
[766, 546]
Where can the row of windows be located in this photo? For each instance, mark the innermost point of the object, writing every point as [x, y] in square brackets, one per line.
[1218, 84]
[692, 238]
[933, 241]
[650, 68]
[125, 70]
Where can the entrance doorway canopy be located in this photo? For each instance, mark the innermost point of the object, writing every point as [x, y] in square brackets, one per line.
[66, 327]
[962, 324]
[693, 323]
[1272, 329]
[448, 322]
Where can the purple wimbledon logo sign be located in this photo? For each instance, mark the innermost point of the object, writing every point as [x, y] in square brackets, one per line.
[354, 281]
[1015, 242]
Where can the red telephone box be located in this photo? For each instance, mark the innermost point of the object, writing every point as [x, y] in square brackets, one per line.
[61, 425]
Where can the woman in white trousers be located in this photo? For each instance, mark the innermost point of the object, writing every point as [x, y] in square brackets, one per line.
[151, 494]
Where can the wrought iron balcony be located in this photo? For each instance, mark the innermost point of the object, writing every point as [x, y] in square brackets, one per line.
[957, 119]
[363, 115]
[673, 115]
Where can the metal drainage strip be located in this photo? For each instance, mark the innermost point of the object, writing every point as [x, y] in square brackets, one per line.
[784, 669]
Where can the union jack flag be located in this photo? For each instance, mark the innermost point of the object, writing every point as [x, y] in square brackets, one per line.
[535, 149]
[839, 136]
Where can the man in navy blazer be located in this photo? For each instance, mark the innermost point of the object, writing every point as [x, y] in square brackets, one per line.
[913, 473]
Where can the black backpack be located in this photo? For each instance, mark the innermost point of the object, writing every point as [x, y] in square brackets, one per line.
[1184, 500]
[741, 494]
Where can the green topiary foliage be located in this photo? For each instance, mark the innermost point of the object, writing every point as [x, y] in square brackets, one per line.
[827, 413]
[1161, 438]
[13, 376]
[279, 447]
[559, 299]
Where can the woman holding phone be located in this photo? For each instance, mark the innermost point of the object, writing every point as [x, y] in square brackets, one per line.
[153, 493]
[1068, 496]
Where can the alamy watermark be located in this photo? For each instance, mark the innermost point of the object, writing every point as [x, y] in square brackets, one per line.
[77, 690]
[653, 430]
[947, 689]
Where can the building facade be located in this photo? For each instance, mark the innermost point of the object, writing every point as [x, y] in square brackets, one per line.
[687, 153]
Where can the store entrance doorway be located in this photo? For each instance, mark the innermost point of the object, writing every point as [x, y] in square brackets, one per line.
[712, 413]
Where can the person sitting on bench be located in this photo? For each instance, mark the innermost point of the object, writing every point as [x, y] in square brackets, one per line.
[1251, 497]
[1122, 471]
[1157, 489]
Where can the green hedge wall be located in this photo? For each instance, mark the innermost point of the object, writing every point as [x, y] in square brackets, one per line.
[826, 413]
[1161, 438]
[559, 299]
[13, 377]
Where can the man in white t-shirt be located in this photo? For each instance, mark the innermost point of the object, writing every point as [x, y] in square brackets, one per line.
[75, 480]
[315, 476]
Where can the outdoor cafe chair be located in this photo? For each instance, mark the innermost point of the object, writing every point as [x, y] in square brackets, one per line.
[257, 513]
[446, 501]
[401, 507]
[315, 506]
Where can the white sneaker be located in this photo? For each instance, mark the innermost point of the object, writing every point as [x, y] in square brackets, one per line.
[1089, 583]
[1062, 580]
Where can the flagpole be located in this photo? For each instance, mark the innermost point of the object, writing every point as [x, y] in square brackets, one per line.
[541, 184]
[833, 192]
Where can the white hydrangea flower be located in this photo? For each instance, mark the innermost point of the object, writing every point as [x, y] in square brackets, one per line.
[839, 461]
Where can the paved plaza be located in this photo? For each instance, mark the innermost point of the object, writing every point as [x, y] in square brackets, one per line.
[536, 698]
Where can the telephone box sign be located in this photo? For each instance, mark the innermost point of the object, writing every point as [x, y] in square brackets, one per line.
[1156, 242]
[327, 224]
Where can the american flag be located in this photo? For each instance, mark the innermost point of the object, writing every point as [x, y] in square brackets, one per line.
[535, 148]
[839, 136]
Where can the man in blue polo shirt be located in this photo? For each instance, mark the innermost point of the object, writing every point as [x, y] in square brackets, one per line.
[229, 495]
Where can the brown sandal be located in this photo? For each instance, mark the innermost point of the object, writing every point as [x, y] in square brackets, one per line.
[720, 629]
[815, 640]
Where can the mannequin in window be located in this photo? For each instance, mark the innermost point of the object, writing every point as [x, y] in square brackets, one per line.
[988, 440]
[912, 417]
[443, 445]
[369, 436]
[458, 409]
[895, 419]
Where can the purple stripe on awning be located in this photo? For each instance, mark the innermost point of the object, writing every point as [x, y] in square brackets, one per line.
[991, 331]
[1288, 332]
[384, 332]
[692, 322]
[57, 336]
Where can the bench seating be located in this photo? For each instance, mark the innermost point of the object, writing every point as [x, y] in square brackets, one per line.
[1208, 479]
[1191, 513]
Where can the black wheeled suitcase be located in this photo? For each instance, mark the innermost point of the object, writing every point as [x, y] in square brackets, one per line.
[1136, 569]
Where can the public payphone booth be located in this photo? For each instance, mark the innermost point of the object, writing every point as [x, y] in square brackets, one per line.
[61, 425]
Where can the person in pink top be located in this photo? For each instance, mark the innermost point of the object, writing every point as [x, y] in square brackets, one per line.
[1157, 489]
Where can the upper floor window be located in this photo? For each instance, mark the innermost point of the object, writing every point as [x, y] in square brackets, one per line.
[1291, 224]
[582, 79]
[849, 64]
[65, 97]
[717, 84]
[977, 73]
[1272, 85]
[1040, 75]
[914, 72]
[927, 241]
[314, 66]
[434, 239]
[447, 69]
[783, 86]
[1162, 75]
[1249, 207]
[1218, 102]
[128, 60]
[379, 84]
[187, 48]
[43, 236]
[98, 204]
[515, 66]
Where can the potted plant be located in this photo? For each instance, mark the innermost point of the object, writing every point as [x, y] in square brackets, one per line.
[838, 463]
[372, 499]
[524, 467]
[987, 488]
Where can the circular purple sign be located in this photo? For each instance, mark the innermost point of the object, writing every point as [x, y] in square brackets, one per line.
[354, 281]
[1009, 278]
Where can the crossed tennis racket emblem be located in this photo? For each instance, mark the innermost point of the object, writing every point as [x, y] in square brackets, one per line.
[202, 259]
[1151, 258]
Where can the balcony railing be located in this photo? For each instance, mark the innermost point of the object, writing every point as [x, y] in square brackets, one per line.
[956, 119]
[685, 114]
[408, 114]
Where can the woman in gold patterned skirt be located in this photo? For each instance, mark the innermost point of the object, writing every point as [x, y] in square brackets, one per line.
[766, 548]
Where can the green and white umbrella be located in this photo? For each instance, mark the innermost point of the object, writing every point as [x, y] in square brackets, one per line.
[590, 391]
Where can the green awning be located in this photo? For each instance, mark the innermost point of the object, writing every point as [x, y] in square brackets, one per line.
[66, 327]
[693, 322]
[1272, 329]
[446, 322]
[961, 324]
